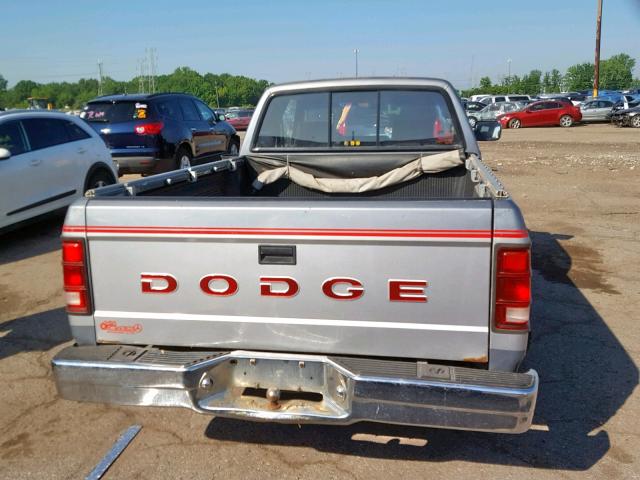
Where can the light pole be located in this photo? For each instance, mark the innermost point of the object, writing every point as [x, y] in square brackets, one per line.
[596, 72]
[356, 51]
[508, 75]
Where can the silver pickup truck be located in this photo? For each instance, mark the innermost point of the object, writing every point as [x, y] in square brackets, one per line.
[356, 262]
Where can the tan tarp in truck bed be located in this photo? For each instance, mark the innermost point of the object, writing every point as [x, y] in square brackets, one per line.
[272, 169]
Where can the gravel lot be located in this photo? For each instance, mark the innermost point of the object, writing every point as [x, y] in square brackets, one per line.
[579, 190]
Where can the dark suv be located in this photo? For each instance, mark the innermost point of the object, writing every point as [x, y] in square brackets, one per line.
[152, 133]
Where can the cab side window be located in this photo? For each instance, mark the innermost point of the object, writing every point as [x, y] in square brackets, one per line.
[11, 138]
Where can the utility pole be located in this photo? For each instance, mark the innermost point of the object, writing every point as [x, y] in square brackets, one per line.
[100, 78]
[153, 58]
[508, 75]
[147, 57]
[141, 77]
[217, 96]
[356, 51]
[596, 71]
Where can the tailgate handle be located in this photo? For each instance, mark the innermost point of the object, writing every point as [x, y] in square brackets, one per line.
[277, 254]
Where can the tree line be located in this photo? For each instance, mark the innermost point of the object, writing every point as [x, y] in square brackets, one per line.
[616, 73]
[227, 90]
[222, 90]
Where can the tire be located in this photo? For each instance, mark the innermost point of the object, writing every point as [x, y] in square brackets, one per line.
[566, 121]
[473, 121]
[99, 178]
[514, 123]
[183, 158]
[234, 147]
[635, 121]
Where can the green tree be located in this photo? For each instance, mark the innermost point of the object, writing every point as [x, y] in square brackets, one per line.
[556, 81]
[616, 72]
[579, 76]
[532, 83]
[3, 89]
[485, 84]
[546, 82]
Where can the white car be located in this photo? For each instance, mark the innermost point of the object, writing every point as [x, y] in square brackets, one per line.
[505, 98]
[47, 160]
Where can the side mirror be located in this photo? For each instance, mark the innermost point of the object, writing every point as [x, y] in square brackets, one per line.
[4, 154]
[222, 117]
[488, 131]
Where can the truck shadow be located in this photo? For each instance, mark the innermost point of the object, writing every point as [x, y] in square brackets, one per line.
[38, 332]
[586, 376]
[31, 240]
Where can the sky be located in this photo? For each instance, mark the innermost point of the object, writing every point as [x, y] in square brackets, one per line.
[281, 40]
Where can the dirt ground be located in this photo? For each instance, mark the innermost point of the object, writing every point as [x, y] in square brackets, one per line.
[579, 191]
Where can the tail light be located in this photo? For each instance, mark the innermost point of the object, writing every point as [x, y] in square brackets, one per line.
[74, 270]
[152, 128]
[513, 289]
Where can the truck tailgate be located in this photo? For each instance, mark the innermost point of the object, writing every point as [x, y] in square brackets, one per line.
[191, 272]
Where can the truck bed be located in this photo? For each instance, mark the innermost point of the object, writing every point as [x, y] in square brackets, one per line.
[418, 231]
[455, 183]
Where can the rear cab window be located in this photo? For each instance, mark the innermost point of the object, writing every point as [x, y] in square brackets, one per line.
[115, 112]
[357, 119]
[354, 117]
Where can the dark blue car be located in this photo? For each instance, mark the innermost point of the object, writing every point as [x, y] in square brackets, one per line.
[152, 133]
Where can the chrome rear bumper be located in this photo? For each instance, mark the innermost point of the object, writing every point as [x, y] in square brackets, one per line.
[292, 388]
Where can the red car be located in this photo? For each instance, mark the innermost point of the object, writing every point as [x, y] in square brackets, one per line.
[542, 114]
[239, 119]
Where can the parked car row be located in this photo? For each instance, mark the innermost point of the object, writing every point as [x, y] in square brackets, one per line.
[48, 159]
[553, 110]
